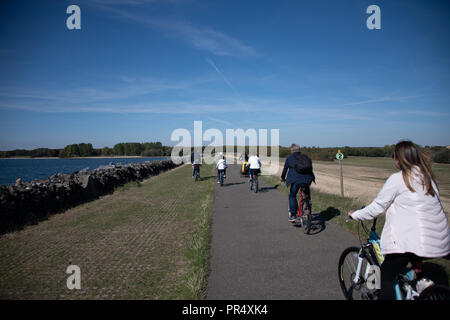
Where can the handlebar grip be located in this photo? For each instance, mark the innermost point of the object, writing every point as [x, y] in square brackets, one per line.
[350, 218]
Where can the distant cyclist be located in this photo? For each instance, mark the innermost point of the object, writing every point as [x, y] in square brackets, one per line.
[221, 166]
[298, 167]
[196, 162]
[220, 157]
[244, 158]
[254, 166]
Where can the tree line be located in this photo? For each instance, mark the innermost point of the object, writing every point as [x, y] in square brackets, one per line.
[147, 149]
[151, 149]
[439, 154]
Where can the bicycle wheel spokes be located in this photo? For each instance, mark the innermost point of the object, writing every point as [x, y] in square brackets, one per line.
[354, 285]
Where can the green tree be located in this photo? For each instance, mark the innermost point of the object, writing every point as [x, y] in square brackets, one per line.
[118, 149]
[71, 150]
[442, 156]
[107, 151]
[85, 149]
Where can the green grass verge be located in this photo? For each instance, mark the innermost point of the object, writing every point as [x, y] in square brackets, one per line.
[147, 240]
[198, 252]
[335, 208]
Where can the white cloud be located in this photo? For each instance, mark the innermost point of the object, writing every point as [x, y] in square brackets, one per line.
[420, 113]
[125, 88]
[228, 123]
[200, 37]
[382, 99]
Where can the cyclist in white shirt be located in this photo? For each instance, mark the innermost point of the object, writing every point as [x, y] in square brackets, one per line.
[220, 157]
[221, 166]
[254, 165]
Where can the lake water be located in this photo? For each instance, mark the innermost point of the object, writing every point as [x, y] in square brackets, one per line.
[31, 169]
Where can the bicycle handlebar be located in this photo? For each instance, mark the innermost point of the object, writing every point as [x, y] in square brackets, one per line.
[374, 224]
[350, 217]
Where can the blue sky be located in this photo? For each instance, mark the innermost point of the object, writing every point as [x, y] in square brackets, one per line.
[139, 69]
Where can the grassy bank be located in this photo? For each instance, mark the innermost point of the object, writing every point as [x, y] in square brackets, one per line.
[334, 208]
[147, 240]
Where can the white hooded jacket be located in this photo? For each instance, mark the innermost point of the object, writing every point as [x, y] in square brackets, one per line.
[415, 222]
[221, 164]
[254, 162]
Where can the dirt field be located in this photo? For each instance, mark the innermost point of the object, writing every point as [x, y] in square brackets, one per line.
[364, 177]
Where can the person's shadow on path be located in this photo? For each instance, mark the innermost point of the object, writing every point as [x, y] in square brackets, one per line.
[319, 220]
[267, 189]
[225, 184]
[206, 178]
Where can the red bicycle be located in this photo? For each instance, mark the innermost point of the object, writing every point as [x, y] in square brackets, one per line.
[304, 215]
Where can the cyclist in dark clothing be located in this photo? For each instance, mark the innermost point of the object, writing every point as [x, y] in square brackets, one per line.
[295, 179]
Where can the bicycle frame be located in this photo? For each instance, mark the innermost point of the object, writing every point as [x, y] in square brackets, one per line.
[254, 180]
[373, 248]
[374, 240]
[361, 254]
[300, 203]
[304, 214]
[196, 172]
[221, 176]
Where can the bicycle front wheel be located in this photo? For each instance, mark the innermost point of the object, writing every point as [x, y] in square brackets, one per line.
[353, 285]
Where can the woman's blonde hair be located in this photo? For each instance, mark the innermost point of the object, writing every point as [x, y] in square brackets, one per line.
[410, 155]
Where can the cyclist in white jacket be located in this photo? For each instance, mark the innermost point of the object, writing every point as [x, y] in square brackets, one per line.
[254, 165]
[416, 226]
[220, 158]
[221, 166]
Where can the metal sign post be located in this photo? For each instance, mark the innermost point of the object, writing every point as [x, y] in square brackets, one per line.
[340, 156]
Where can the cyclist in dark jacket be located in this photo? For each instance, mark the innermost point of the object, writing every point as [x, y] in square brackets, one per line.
[295, 179]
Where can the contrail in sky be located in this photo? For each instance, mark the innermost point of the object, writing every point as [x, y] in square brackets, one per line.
[221, 74]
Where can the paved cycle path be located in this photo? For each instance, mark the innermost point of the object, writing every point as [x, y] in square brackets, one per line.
[256, 253]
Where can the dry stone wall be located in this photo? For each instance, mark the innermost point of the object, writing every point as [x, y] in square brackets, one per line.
[25, 203]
